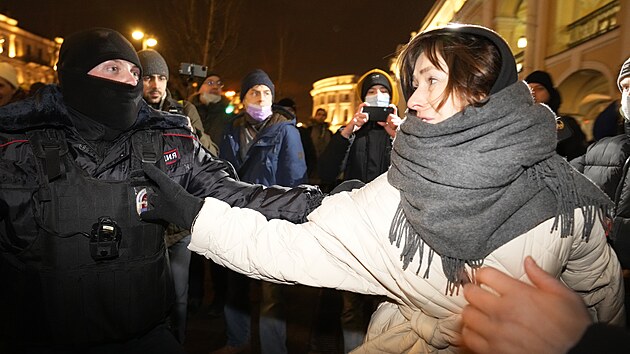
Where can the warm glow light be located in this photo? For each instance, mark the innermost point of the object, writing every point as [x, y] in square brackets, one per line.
[151, 42]
[137, 35]
[58, 40]
[12, 49]
[519, 67]
[230, 94]
[521, 42]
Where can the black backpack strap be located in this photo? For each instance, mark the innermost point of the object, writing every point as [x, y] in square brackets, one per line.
[49, 145]
[146, 147]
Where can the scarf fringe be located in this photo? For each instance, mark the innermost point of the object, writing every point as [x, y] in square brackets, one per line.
[558, 177]
[454, 268]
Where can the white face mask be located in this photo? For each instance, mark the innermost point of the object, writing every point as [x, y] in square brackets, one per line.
[625, 104]
[207, 98]
[379, 99]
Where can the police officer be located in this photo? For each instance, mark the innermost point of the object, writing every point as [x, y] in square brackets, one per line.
[82, 272]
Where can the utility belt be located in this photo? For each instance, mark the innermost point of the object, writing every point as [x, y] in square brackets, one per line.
[93, 272]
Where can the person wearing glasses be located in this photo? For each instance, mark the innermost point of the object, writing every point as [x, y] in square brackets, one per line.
[211, 105]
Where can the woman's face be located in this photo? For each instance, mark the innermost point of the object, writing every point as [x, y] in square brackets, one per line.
[429, 83]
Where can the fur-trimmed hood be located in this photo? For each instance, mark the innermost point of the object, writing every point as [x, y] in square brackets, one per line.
[48, 109]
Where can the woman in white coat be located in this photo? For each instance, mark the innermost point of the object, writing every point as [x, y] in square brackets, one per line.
[474, 181]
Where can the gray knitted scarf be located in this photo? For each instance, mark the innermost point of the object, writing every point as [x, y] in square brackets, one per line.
[481, 178]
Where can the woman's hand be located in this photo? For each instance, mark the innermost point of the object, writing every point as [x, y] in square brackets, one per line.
[356, 122]
[393, 121]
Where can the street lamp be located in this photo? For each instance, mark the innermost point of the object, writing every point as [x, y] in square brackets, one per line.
[148, 41]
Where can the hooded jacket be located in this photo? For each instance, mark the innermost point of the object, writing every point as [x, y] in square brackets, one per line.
[346, 245]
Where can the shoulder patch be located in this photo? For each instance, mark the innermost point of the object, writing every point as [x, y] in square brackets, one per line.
[171, 156]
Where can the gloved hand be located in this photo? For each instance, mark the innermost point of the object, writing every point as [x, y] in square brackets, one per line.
[347, 186]
[169, 201]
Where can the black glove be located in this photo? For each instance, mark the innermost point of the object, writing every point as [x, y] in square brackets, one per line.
[169, 201]
[347, 186]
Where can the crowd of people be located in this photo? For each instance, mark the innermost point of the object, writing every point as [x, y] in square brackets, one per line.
[480, 209]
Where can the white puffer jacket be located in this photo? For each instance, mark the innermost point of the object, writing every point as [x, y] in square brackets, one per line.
[345, 245]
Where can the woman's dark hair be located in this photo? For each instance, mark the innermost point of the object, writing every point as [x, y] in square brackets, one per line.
[473, 64]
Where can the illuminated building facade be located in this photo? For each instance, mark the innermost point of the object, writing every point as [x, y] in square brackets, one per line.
[581, 43]
[33, 57]
[337, 96]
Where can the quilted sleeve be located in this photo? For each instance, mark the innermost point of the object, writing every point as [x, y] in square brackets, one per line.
[593, 271]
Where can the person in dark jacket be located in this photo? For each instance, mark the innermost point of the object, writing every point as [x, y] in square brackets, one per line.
[212, 105]
[606, 163]
[83, 273]
[571, 138]
[361, 149]
[156, 94]
[264, 146]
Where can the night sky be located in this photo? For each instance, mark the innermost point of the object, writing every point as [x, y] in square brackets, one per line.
[320, 38]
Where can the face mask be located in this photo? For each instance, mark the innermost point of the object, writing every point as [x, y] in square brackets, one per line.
[380, 99]
[625, 104]
[110, 103]
[257, 112]
[207, 98]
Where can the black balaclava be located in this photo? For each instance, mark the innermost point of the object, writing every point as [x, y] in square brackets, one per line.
[112, 104]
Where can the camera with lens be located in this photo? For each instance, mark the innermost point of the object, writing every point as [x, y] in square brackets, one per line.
[105, 239]
[193, 70]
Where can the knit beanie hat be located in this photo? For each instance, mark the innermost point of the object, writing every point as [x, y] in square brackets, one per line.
[375, 78]
[544, 79]
[625, 71]
[256, 77]
[152, 63]
[287, 102]
[7, 72]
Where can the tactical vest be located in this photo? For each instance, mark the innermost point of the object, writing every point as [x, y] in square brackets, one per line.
[89, 271]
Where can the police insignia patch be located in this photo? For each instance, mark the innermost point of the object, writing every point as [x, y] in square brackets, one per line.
[171, 156]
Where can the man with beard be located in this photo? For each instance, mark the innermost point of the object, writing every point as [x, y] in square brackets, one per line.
[211, 105]
[82, 272]
[158, 96]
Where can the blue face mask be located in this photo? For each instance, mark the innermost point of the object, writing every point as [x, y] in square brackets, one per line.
[257, 112]
[379, 99]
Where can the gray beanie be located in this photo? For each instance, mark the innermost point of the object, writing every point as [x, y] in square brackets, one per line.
[256, 77]
[625, 71]
[152, 63]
